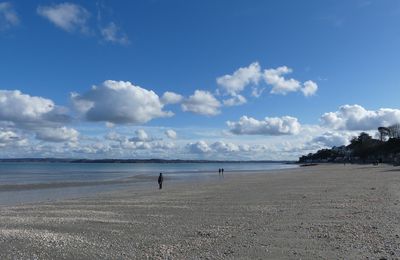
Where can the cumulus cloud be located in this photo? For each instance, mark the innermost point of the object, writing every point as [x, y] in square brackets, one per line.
[59, 134]
[141, 136]
[67, 16]
[222, 150]
[114, 136]
[330, 139]
[23, 109]
[280, 85]
[171, 98]
[236, 100]
[355, 117]
[142, 141]
[162, 145]
[199, 147]
[309, 88]
[8, 16]
[120, 102]
[224, 147]
[112, 33]
[95, 148]
[125, 143]
[37, 115]
[203, 103]
[18, 107]
[171, 134]
[269, 126]
[8, 137]
[235, 83]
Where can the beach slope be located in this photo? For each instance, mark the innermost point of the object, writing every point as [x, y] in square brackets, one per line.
[325, 211]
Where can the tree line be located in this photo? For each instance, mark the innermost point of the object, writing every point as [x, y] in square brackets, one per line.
[363, 149]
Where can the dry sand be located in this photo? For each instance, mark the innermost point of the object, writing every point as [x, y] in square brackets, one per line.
[327, 211]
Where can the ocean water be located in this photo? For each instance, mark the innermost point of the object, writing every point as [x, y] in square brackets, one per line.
[33, 182]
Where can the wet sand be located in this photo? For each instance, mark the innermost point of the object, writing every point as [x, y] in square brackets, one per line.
[326, 211]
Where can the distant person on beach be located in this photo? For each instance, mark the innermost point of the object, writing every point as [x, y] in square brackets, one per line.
[160, 180]
[219, 171]
[222, 171]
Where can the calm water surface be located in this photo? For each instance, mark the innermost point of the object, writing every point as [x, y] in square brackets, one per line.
[33, 182]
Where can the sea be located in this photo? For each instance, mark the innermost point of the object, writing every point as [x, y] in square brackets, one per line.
[27, 182]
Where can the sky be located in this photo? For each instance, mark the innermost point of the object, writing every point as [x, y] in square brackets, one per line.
[178, 79]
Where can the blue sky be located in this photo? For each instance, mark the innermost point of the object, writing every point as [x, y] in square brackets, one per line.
[343, 52]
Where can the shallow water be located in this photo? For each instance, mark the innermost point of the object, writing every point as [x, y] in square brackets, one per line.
[33, 182]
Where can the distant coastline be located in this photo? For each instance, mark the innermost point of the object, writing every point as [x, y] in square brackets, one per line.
[362, 149]
[69, 160]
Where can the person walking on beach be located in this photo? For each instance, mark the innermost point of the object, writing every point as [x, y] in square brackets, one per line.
[160, 180]
[222, 171]
[219, 171]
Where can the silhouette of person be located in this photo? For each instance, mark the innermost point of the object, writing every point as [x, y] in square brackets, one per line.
[219, 171]
[160, 180]
[222, 171]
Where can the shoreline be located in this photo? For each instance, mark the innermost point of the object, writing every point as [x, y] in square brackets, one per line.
[36, 192]
[325, 211]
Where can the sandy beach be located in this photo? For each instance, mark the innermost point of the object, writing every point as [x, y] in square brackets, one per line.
[325, 211]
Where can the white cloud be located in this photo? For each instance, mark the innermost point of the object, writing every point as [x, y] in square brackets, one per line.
[269, 126]
[141, 136]
[114, 136]
[224, 147]
[216, 149]
[199, 147]
[142, 141]
[59, 134]
[8, 137]
[235, 83]
[203, 103]
[95, 148]
[110, 125]
[120, 102]
[118, 143]
[36, 115]
[67, 16]
[222, 150]
[171, 134]
[16, 106]
[355, 117]
[162, 145]
[8, 16]
[73, 17]
[80, 104]
[310, 88]
[280, 85]
[236, 100]
[171, 98]
[112, 33]
[257, 92]
[24, 109]
[330, 139]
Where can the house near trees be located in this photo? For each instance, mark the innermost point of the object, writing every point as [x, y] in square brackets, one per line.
[363, 149]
